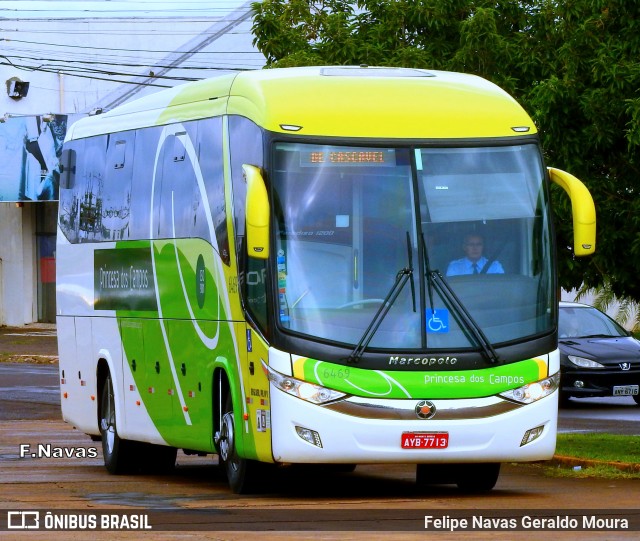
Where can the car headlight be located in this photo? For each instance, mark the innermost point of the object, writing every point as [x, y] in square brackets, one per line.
[304, 390]
[532, 392]
[584, 363]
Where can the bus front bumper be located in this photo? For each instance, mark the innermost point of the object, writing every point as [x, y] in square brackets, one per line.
[361, 431]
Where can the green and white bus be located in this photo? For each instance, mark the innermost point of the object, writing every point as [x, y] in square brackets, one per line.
[255, 266]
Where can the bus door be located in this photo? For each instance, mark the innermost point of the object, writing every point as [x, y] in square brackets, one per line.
[256, 407]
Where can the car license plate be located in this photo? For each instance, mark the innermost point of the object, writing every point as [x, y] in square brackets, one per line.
[425, 440]
[626, 390]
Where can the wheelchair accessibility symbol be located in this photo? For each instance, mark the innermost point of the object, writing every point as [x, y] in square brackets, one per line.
[437, 321]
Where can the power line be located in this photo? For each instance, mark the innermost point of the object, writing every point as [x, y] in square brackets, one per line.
[119, 32]
[118, 10]
[146, 19]
[204, 39]
[110, 79]
[160, 51]
[40, 59]
[65, 62]
[65, 67]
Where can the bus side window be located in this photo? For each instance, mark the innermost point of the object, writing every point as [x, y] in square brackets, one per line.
[176, 185]
[142, 180]
[70, 187]
[115, 196]
[246, 147]
[210, 156]
[82, 205]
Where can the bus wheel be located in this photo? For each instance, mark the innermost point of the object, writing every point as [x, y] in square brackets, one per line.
[117, 453]
[478, 477]
[243, 474]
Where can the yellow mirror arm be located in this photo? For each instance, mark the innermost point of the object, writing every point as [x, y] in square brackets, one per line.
[257, 213]
[583, 210]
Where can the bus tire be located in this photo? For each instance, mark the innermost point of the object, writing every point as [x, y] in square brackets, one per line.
[478, 477]
[118, 454]
[244, 476]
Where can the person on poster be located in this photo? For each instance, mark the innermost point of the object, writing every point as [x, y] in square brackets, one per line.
[50, 145]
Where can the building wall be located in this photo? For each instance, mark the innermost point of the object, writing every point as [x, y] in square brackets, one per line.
[18, 271]
[85, 61]
[67, 58]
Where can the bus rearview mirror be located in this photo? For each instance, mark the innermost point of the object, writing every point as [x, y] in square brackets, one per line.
[257, 213]
[67, 167]
[583, 211]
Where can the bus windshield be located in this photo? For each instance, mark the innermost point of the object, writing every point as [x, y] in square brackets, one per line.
[348, 220]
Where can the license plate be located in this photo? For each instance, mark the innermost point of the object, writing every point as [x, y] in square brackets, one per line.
[626, 390]
[425, 440]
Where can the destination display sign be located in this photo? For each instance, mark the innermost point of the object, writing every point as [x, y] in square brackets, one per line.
[348, 157]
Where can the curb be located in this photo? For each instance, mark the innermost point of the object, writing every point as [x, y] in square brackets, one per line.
[571, 462]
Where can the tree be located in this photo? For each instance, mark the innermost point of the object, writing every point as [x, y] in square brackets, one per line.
[573, 64]
[627, 311]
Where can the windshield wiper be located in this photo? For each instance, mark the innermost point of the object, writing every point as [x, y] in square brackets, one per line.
[435, 280]
[402, 277]
[413, 285]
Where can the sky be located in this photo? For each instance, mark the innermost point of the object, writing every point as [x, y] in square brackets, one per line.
[125, 8]
[87, 52]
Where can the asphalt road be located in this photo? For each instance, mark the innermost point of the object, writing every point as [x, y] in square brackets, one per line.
[614, 415]
[375, 502]
[29, 391]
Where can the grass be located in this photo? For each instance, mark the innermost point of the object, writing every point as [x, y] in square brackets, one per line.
[608, 456]
[602, 471]
[604, 447]
[34, 359]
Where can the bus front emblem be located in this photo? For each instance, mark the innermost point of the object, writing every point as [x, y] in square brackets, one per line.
[425, 409]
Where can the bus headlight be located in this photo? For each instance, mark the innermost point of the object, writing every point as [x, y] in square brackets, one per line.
[304, 390]
[533, 392]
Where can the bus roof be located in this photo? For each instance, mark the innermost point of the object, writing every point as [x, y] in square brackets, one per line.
[339, 101]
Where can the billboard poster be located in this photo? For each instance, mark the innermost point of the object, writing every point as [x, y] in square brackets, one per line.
[30, 149]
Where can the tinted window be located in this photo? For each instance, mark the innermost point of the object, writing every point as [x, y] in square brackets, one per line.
[246, 148]
[582, 322]
[176, 170]
[115, 193]
[81, 204]
[211, 159]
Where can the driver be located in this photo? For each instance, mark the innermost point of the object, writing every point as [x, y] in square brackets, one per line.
[473, 261]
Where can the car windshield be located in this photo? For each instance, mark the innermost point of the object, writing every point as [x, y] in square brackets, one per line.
[350, 221]
[584, 322]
